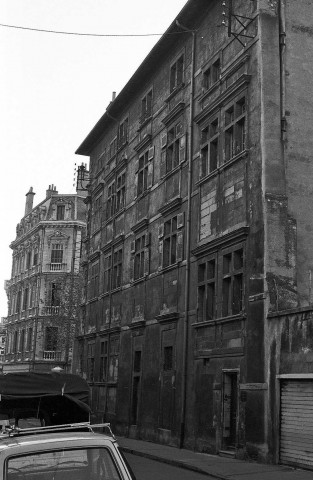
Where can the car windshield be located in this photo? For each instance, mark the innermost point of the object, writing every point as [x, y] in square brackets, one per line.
[65, 464]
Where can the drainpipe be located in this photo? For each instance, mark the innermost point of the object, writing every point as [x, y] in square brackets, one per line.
[282, 43]
[188, 229]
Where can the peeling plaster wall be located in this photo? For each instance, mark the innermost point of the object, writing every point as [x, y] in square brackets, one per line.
[299, 144]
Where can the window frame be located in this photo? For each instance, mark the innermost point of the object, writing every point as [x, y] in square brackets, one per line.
[210, 135]
[177, 70]
[57, 253]
[117, 267]
[171, 240]
[227, 302]
[146, 106]
[234, 127]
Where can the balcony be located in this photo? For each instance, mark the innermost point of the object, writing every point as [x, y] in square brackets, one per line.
[52, 355]
[57, 267]
[51, 310]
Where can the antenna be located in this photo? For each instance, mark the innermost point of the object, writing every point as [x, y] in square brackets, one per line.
[228, 17]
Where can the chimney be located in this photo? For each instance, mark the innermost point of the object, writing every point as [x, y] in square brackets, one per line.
[82, 180]
[29, 201]
[113, 96]
[51, 190]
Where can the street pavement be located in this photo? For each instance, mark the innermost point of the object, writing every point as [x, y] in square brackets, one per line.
[219, 467]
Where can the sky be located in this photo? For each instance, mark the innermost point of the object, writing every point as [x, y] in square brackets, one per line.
[55, 87]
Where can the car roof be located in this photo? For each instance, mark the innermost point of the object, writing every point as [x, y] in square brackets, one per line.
[71, 439]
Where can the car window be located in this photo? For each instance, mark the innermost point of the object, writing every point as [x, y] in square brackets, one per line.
[65, 464]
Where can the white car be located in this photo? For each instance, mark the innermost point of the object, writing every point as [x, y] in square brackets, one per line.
[61, 453]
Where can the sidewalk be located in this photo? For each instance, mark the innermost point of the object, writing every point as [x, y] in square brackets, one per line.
[214, 465]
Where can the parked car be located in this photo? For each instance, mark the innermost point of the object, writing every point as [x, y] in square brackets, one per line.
[63, 452]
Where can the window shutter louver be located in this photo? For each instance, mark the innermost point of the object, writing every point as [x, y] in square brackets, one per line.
[146, 261]
[160, 255]
[182, 149]
[150, 153]
[163, 164]
[147, 239]
[163, 140]
[161, 230]
[132, 246]
[201, 172]
[180, 220]
[150, 175]
[131, 268]
[179, 247]
[136, 185]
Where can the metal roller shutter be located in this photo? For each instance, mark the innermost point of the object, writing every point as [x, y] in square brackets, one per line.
[296, 431]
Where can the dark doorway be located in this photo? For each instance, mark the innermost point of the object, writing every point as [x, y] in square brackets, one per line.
[230, 407]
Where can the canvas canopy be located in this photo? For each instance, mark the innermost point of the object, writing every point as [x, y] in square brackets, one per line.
[18, 386]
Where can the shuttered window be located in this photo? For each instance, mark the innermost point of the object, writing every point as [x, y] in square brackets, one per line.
[296, 433]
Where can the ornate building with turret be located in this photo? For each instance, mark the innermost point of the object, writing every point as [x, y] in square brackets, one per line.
[44, 288]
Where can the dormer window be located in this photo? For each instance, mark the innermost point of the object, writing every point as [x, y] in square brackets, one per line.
[60, 212]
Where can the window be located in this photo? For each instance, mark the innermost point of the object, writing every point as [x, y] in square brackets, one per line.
[206, 290]
[111, 200]
[107, 273]
[18, 301]
[143, 173]
[57, 253]
[232, 290]
[177, 73]
[15, 342]
[113, 359]
[146, 107]
[136, 386]
[35, 259]
[28, 260]
[209, 148]
[113, 148]
[60, 212]
[140, 249]
[120, 192]
[117, 268]
[234, 129]
[22, 341]
[91, 361]
[96, 217]
[123, 133]
[211, 74]
[25, 299]
[220, 284]
[172, 243]
[168, 363]
[29, 339]
[103, 360]
[55, 298]
[94, 280]
[83, 462]
[175, 152]
[51, 339]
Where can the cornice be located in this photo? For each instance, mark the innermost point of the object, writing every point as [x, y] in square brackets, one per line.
[235, 236]
[94, 255]
[98, 188]
[143, 143]
[170, 206]
[167, 317]
[177, 110]
[140, 225]
[242, 81]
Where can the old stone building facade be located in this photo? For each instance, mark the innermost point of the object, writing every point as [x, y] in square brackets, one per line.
[197, 309]
[44, 289]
